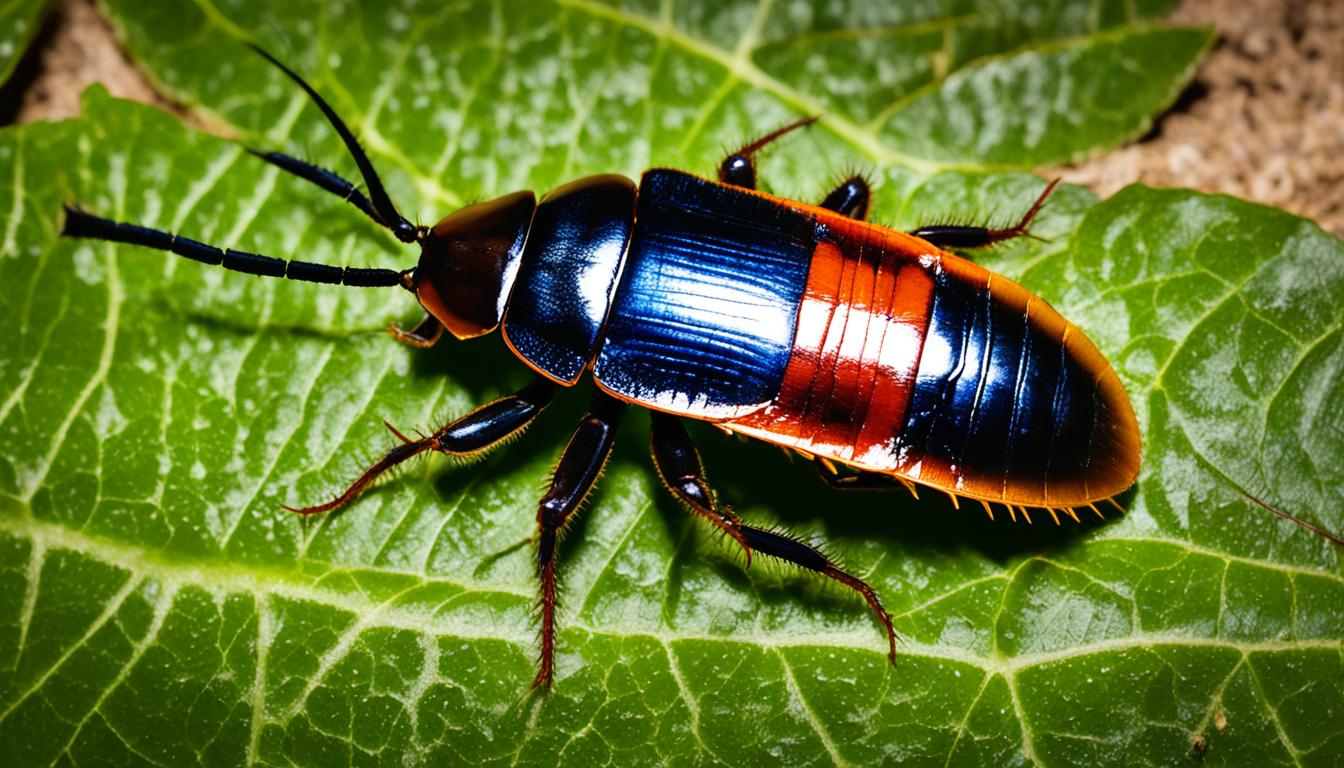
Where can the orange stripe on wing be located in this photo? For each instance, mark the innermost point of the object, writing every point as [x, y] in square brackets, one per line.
[856, 349]
[830, 403]
[897, 365]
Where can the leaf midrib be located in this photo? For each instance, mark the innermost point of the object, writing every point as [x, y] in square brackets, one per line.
[175, 573]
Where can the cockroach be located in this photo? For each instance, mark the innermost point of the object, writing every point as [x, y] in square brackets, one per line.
[878, 355]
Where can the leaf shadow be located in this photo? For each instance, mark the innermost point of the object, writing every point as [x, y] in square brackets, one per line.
[789, 487]
[246, 326]
[484, 367]
[750, 476]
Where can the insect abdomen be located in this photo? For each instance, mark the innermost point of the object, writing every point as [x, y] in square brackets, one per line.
[861, 326]
[1013, 403]
[863, 345]
[914, 362]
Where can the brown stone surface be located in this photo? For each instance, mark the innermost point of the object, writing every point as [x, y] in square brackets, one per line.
[1264, 120]
[75, 49]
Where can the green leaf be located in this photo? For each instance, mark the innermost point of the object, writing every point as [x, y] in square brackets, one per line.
[18, 24]
[158, 607]
[1046, 105]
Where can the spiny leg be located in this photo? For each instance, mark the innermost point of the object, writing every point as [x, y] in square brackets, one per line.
[424, 335]
[678, 464]
[679, 459]
[851, 198]
[949, 236]
[804, 555]
[478, 431]
[575, 474]
[739, 168]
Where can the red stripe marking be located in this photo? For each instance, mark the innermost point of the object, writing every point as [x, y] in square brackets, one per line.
[856, 351]
[898, 362]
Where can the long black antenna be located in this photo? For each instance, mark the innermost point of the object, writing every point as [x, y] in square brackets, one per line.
[383, 210]
[323, 178]
[81, 224]
[376, 206]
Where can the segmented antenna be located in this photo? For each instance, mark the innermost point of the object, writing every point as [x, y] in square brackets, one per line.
[81, 224]
[323, 178]
[377, 206]
[1329, 536]
[383, 210]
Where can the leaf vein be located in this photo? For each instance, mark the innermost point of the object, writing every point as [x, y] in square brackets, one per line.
[791, 683]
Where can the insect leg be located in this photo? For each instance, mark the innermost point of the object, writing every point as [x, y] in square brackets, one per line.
[739, 168]
[948, 236]
[479, 430]
[575, 474]
[851, 198]
[424, 335]
[860, 481]
[678, 464]
[495, 422]
[803, 555]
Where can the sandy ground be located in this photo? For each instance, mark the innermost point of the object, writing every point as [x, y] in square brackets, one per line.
[1264, 119]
